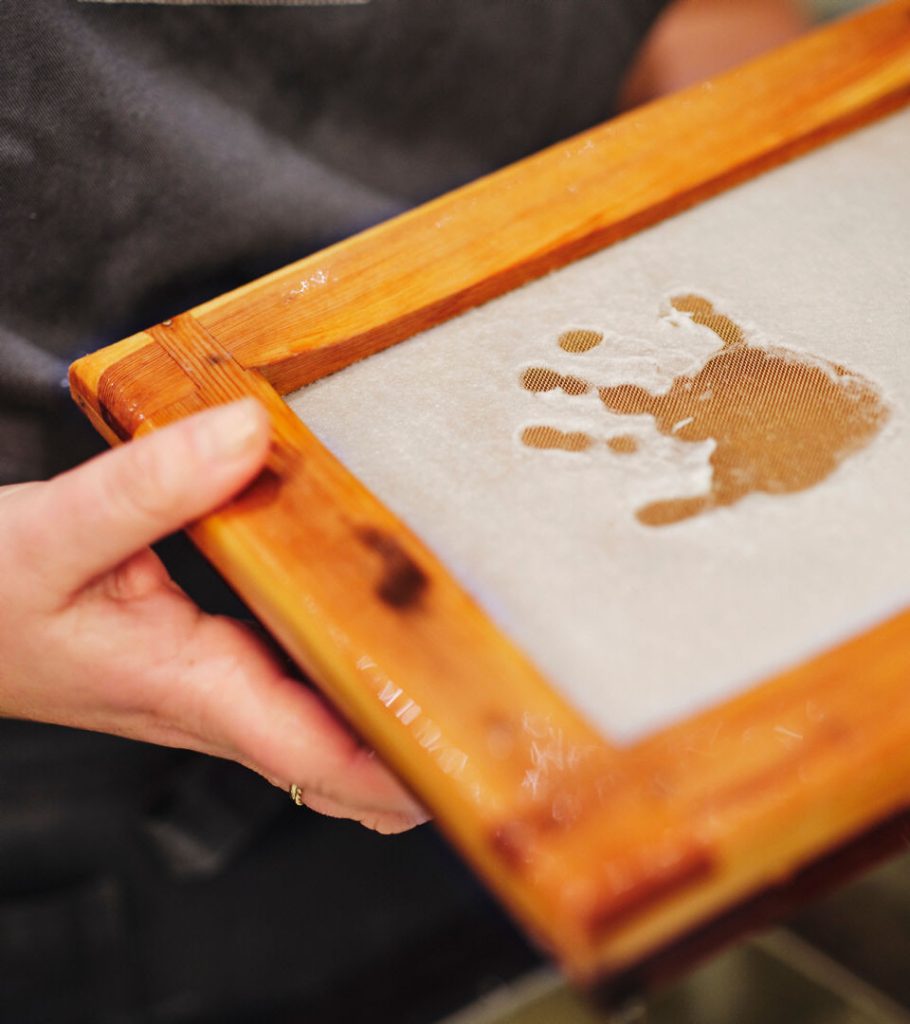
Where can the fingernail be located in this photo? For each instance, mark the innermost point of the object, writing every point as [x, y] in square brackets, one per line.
[230, 431]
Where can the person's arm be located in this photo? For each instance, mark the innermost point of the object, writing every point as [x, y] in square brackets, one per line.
[94, 634]
[695, 39]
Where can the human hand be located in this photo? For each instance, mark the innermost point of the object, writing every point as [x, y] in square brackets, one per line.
[94, 633]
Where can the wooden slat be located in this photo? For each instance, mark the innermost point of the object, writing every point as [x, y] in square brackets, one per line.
[607, 855]
[610, 854]
[400, 648]
[386, 284]
[371, 291]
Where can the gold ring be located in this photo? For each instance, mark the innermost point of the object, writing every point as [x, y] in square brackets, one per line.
[296, 794]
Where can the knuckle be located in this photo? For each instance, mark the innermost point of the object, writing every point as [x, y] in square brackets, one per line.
[21, 532]
[144, 485]
[28, 522]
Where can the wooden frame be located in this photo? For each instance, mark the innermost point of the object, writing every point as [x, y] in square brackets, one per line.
[619, 852]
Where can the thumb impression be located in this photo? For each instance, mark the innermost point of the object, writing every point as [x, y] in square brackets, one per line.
[94, 517]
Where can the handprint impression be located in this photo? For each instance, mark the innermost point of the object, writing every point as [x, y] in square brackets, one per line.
[781, 421]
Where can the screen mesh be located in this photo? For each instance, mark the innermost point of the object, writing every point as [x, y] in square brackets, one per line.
[682, 463]
[779, 420]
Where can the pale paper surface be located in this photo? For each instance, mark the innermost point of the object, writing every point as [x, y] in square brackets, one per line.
[640, 625]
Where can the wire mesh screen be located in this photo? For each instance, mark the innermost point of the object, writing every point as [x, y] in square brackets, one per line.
[680, 464]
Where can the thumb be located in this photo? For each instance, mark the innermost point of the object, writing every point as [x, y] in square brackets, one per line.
[94, 517]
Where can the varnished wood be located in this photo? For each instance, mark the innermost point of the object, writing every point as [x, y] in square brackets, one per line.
[366, 293]
[607, 855]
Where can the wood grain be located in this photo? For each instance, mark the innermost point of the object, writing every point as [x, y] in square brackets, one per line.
[384, 285]
[606, 855]
[322, 313]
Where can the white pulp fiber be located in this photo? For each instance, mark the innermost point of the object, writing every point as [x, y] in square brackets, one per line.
[639, 625]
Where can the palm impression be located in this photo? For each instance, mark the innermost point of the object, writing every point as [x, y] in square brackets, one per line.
[780, 420]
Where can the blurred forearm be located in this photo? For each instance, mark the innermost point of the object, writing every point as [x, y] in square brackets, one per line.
[695, 39]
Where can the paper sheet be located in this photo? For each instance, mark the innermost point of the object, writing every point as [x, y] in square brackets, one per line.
[613, 459]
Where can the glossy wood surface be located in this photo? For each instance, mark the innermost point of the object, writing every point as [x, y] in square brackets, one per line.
[605, 854]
